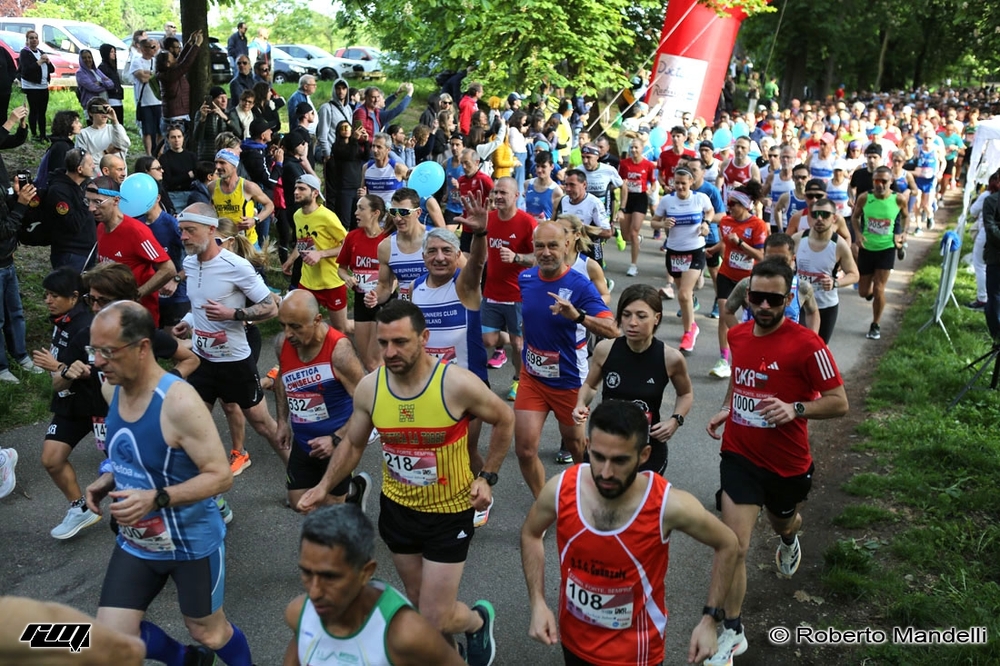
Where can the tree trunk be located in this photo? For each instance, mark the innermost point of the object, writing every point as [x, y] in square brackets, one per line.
[881, 59]
[828, 85]
[194, 16]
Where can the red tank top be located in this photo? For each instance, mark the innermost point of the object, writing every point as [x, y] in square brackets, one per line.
[612, 598]
[736, 175]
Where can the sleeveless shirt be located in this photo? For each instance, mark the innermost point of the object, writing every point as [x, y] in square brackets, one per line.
[456, 335]
[406, 266]
[813, 266]
[235, 205]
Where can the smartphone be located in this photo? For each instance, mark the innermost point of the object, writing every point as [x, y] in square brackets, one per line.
[208, 100]
[358, 125]
[23, 177]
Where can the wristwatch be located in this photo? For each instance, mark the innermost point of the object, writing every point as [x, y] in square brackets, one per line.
[162, 499]
[256, 220]
[800, 409]
[178, 279]
[679, 418]
[491, 478]
[579, 320]
[716, 613]
[238, 314]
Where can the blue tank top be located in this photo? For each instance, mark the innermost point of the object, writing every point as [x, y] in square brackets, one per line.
[901, 184]
[456, 334]
[453, 201]
[794, 205]
[538, 204]
[141, 459]
[927, 162]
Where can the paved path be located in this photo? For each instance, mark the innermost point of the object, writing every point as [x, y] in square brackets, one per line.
[262, 543]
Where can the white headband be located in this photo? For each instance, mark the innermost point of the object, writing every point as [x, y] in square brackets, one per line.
[200, 219]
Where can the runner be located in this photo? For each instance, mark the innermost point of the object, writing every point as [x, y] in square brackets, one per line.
[429, 495]
[358, 268]
[613, 528]
[578, 201]
[638, 175]
[778, 370]
[541, 193]
[165, 463]
[638, 367]
[779, 182]
[739, 169]
[794, 200]
[376, 625]
[237, 198]
[317, 375]
[400, 256]
[566, 306]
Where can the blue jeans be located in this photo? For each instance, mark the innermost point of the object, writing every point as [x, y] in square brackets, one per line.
[11, 317]
[78, 262]
[519, 176]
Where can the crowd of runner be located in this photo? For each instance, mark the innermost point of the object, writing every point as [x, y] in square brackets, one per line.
[779, 209]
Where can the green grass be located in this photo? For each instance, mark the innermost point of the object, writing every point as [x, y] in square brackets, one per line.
[941, 566]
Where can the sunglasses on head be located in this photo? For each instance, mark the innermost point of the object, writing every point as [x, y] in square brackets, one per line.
[401, 212]
[772, 299]
[821, 214]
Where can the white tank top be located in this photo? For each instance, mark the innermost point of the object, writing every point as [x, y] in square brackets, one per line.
[580, 265]
[820, 168]
[407, 267]
[367, 646]
[779, 187]
[838, 195]
[381, 181]
[812, 266]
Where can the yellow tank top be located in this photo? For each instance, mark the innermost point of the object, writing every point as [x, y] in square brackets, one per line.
[425, 462]
[235, 206]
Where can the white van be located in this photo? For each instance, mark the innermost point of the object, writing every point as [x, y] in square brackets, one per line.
[67, 37]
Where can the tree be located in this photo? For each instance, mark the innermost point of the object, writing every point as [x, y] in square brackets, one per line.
[194, 16]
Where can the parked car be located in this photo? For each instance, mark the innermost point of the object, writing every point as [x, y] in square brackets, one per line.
[66, 69]
[222, 73]
[286, 69]
[330, 67]
[67, 38]
[365, 61]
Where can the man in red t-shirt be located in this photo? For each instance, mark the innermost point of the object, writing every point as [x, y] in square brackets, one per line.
[474, 184]
[468, 105]
[672, 155]
[128, 241]
[782, 374]
[511, 250]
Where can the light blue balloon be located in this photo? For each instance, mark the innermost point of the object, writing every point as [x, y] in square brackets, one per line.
[426, 178]
[657, 137]
[138, 194]
[722, 138]
[740, 128]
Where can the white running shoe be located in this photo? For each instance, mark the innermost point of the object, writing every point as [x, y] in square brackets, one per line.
[731, 644]
[721, 369]
[482, 517]
[632, 271]
[74, 521]
[8, 461]
[788, 557]
[8, 376]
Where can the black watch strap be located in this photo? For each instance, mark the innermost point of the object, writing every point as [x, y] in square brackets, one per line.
[579, 320]
[716, 613]
[162, 499]
[490, 477]
[679, 418]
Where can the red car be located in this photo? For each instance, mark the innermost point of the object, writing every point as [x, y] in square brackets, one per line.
[66, 69]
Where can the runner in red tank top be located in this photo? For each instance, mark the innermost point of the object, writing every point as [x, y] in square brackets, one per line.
[613, 528]
[738, 169]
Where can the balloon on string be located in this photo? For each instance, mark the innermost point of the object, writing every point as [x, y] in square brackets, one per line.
[740, 128]
[657, 137]
[138, 194]
[722, 138]
[426, 178]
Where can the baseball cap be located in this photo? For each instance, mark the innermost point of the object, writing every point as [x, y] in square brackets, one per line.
[302, 109]
[514, 97]
[840, 165]
[542, 145]
[258, 127]
[827, 138]
[312, 181]
[706, 144]
[816, 184]
[644, 129]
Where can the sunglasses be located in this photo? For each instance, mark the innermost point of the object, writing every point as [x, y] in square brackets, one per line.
[443, 103]
[108, 353]
[881, 180]
[101, 301]
[821, 214]
[772, 299]
[800, 177]
[815, 195]
[402, 212]
[264, 70]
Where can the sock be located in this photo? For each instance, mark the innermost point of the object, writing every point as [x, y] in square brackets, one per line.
[237, 651]
[725, 355]
[788, 541]
[80, 504]
[159, 646]
[733, 624]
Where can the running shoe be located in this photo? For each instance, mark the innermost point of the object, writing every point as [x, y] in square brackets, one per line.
[788, 557]
[27, 364]
[611, 284]
[874, 332]
[77, 518]
[930, 222]
[267, 383]
[482, 517]
[239, 461]
[689, 338]
[223, 506]
[362, 489]
[714, 314]
[632, 271]
[619, 240]
[667, 292]
[721, 369]
[901, 251]
[731, 644]
[8, 461]
[564, 457]
[696, 307]
[480, 645]
[976, 304]
[373, 437]
[512, 393]
[199, 655]
[918, 231]
[498, 360]
[8, 376]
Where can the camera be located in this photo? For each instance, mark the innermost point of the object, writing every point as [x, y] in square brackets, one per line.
[23, 177]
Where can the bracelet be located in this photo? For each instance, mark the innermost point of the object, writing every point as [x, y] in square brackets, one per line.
[479, 234]
[726, 408]
[62, 373]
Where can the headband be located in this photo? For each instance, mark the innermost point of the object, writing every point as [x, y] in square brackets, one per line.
[741, 198]
[199, 219]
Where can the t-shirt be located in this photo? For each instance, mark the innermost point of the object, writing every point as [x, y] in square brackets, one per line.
[668, 161]
[793, 365]
[514, 234]
[144, 94]
[688, 214]
[359, 254]
[555, 348]
[736, 264]
[602, 183]
[319, 230]
[637, 177]
[133, 244]
[477, 186]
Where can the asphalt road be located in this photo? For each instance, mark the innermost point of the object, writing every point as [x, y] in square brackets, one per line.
[262, 541]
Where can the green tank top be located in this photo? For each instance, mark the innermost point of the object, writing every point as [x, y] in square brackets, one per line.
[880, 217]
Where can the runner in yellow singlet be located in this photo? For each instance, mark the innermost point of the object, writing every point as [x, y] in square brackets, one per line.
[234, 197]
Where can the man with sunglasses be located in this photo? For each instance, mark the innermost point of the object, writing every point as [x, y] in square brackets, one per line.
[779, 181]
[147, 93]
[243, 81]
[794, 200]
[66, 210]
[400, 256]
[165, 463]
[779, 368]
[128, 241]
[878, 220]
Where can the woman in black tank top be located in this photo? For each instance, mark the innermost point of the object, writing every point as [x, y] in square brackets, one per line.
[638, 367]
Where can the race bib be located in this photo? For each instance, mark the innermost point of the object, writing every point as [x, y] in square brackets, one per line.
[307, 407]
[446, 354]
[404, 292]
[149, 534]
[213, 344]
[411, 467]
[744, 412]
[680, 262]
[925, 172]
[542, 363]
[100, 431]
[305, 244]
[880, 227]
[740, 261]
[607, 607]
[366, 281]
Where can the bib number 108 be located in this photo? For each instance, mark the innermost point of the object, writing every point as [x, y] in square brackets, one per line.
[582, 598]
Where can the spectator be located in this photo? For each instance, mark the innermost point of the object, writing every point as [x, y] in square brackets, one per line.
[237, 46]
[253, 158]
[65, 126]
[266, 104]
[109, 67]
[330, 116]
[344, 170]
[423, 143]
[147, 93]
[204, 173]
[307, 86]
[242, 115]
[35, 71]
[8, 72]
[243, 80]
[74, 231]
[151, 166]
[169, 32]
[433, 109]
[113, 167]
[305, 115]
[401, 149]
[469, 105]
[210, 121]
[105, 134]
[91, 82]
[259, 49]
[134, 51]
[178, 166]
[374, 115]
[172, 66]
[295, 164]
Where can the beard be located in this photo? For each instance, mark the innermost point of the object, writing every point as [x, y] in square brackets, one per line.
[769, 320]
[196, 248]
[618, 488]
